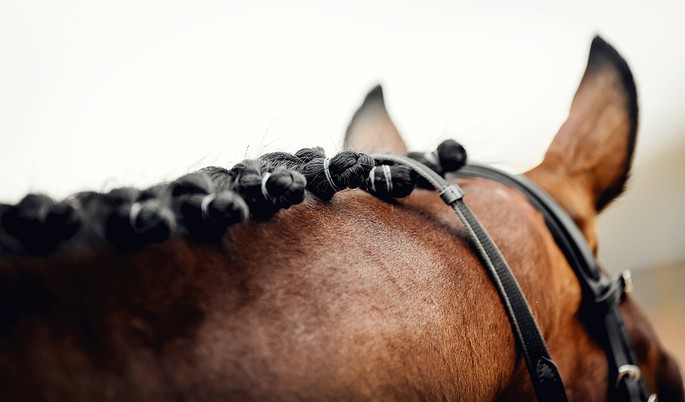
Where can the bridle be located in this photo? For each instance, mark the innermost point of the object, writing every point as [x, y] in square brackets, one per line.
[601, 294]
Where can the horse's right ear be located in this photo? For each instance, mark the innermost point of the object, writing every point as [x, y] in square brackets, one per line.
[587, 164]
[371, 129]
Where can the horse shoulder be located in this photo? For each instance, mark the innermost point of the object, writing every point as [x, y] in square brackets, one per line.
[359, 298]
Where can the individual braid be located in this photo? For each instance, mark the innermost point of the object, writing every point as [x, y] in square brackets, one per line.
[284, 187]
[325, 177]
[450, 156]
[134, 221]
[8, 243]
[266, 189]
[39, 224]
[395, 181]
[203, 213]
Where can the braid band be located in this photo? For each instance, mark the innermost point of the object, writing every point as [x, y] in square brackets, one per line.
[388, 177]
[265, 191]
[133, 214]
[204, 205]
[372, 179]
[326, 170]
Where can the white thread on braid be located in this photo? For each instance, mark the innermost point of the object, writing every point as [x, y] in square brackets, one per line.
[388, 177]
[204, 205]
[74, 202]
[133, 214]
[372, 179]
[432, 157]
[265, 191]
[327, 172]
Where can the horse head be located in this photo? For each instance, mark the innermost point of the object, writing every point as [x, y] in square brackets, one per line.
[237, 284]
[585, 168]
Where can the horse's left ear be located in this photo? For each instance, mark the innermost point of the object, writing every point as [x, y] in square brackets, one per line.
[587, 164]
[371, 129]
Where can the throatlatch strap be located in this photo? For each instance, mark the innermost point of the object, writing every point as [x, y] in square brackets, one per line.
[543, 372]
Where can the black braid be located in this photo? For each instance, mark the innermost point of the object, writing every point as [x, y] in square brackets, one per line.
[450, 156]
[285, 187]
[203, 213]
[8, 243]
[39, 224]
[347, 169]
[306, 155]
[401, 184]
[206, 202]
[134, 221]
[310, 162]
[281, 189]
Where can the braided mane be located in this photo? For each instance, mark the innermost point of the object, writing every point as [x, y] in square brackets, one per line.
[202, 205]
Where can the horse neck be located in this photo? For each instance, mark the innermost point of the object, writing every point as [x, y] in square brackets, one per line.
[550, 286]
[318, 300]
[402, 277]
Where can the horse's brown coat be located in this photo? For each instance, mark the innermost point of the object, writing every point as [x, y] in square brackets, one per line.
[356, 299]
[401, 319]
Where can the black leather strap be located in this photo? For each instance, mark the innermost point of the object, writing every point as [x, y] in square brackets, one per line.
[543, 372]
[601, 293]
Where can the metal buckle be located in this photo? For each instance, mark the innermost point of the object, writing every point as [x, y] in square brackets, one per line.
[630, 372]
[627, 282]
[451, 194]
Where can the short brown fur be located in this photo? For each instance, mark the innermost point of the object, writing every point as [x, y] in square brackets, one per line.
[355, 299]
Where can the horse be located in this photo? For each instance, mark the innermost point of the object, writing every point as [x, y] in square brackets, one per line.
[301, 277]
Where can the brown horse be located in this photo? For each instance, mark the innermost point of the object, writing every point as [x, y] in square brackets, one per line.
[345, 297]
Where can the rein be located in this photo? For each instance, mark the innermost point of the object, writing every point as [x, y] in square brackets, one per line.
[601, 294]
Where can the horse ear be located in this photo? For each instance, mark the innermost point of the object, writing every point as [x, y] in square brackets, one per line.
[371, 129]
[589, 160]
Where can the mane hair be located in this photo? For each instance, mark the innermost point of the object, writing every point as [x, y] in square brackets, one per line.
[137, 218]
[203, 211]
[450, 156]
[204, 204]
[38, 223]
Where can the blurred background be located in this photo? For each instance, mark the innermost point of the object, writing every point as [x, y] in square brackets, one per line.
[95, 95]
